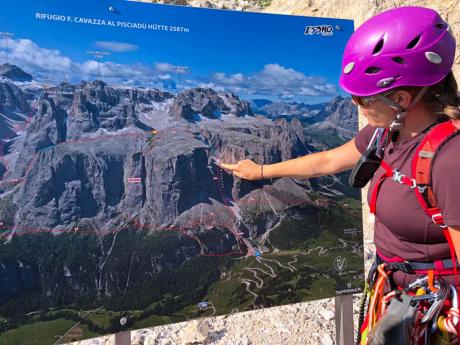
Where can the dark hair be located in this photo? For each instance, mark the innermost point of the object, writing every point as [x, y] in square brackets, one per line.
[444, 98]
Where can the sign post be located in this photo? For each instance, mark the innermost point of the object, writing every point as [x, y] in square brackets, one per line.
[344, 320]
[123, 338]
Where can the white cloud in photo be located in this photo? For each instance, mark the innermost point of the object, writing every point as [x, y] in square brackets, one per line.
[110, 69]
[164, 76]
[43, 63]
[165, 67]
[114, 46]
[30, 57]
[275, 80]
[234, 79]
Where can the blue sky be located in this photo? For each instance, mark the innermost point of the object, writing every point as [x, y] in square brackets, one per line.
[253, 55]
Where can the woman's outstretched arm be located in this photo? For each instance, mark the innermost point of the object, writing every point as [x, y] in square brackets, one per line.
[316, 164]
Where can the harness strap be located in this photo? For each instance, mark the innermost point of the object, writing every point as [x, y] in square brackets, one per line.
[441, 267]
[422, 165]
[395, 176]
[375, 192]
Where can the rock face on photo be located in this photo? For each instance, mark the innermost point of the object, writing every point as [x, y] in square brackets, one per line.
[85, 144]
[14, 73]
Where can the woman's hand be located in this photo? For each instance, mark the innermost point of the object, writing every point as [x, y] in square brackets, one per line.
[246, 169]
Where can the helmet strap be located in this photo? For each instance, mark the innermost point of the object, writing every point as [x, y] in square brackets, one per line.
[401, 113]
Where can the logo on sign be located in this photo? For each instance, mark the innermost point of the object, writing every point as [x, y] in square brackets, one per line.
[324, 30]
[340, 263]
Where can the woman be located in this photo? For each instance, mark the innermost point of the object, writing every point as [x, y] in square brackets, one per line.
[397, 67]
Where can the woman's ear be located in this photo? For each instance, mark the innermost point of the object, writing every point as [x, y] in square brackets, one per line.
[403, 98]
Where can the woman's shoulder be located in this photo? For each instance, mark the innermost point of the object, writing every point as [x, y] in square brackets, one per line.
[446, 162]
[445, 171]
[448, 153]
[363, 138]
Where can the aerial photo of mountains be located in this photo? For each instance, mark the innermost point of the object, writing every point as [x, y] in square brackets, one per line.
[114, 212]
[111, 199]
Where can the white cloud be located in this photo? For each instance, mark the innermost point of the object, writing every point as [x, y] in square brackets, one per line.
[165, 67]
[109, 69]
[114, 46]
[30, 57]
[210, 85]
[233, 79]
[274, 75]
[43, 63]
[275, 80]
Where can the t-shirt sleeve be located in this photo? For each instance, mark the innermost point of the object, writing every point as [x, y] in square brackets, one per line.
[446, 184]
[363, 138]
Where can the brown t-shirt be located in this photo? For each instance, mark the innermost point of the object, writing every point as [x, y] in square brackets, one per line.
[402, 228]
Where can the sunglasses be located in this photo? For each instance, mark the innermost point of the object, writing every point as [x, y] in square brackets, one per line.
[365, 101]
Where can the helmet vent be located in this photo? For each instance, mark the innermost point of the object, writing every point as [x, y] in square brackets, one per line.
[385, 82]
[399, 60]
[349, 67]
[433, 57]
[378, 47]
[372, 70]
[414, 42]
[440, 25]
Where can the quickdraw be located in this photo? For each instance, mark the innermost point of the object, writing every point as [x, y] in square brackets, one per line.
[426, 312]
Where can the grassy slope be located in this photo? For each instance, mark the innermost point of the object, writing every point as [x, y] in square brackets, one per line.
[44, 333]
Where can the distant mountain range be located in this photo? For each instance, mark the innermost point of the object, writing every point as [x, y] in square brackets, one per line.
[338, 113]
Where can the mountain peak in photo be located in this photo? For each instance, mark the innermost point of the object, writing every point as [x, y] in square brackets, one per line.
[14, 73]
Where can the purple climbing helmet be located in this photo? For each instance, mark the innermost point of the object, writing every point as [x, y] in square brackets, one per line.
[405, 46]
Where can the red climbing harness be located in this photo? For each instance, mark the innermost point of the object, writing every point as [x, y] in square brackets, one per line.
[421, 180]
[422, 306]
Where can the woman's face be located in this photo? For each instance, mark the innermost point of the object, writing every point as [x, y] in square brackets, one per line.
[378, 114]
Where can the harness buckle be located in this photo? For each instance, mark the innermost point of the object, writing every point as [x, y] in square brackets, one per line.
[397, 176]
[403, 179]
[438, 219]
[422, 189]
[401, 266]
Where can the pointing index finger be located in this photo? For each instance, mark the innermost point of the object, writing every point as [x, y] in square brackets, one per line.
[231, 167]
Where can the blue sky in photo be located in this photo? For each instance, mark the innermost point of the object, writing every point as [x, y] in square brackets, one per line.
[251, 54]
